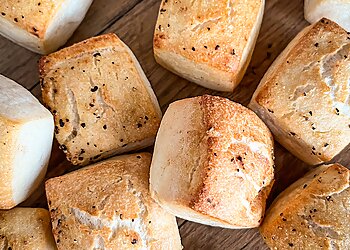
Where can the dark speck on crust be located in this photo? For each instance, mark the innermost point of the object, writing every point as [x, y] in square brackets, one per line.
[94, 89]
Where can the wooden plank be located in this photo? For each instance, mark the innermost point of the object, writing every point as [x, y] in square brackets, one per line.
[20, 64]
[136, 30]
[210, 238]
[101, 15]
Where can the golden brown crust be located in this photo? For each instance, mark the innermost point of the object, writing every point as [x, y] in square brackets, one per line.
[89, 46]
[109, 204]
[213, 163]
[215, 35]
[26, 228]
[32, 16]
[229, 125]
[101, 100]
[304, 95]
[312, 213]
[180, 26]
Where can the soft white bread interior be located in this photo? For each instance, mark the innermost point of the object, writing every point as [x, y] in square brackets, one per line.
[304, 96]
[42, 26]
[213, 163]
[26, 229]
[108, 206]
[209, 43]
[313, 213]
[102, 102]
[335, 10]
[26, 134]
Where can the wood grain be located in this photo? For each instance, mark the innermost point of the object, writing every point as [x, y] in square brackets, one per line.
[133, 21]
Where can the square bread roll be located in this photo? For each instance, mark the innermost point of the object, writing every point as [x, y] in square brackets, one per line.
[108, 206]
[304, 97]
[26, 229]
[213, 163]
[101, 100]
[313, 213]
[26, 134]
[41, 26]
[335, 10]
[209, 43]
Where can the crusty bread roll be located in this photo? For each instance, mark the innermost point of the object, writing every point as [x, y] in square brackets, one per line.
[209, 43]
[313, 213]
[26, 229]
[102, 102]
[41, 26]
[304, 96]
[335, 10]
[108, 206]
[26, 133]
[213, 163]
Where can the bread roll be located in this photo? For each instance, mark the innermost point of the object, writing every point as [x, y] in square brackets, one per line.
[313, 213]
[26, 229]
[335, 10]
[41, 26]
[102, 102]
[213, 163]
[108, 206]
[209, 43]
[304, 96]
[26, 133]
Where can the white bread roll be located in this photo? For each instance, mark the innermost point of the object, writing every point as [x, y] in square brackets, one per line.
[209, 43]
[335, 10]
[213, 163]
[26, 229]
[41, 26]
[108, 206]
[313, 213]
[26, 133]
[102, 102]
[304, 96]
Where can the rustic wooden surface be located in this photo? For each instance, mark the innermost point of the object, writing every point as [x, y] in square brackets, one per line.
[133, 21]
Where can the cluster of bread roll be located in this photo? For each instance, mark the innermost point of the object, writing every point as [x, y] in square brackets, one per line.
[213, 161]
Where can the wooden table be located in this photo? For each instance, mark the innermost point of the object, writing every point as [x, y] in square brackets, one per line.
[133, 21]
